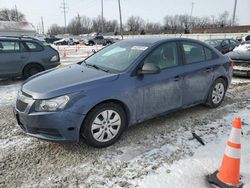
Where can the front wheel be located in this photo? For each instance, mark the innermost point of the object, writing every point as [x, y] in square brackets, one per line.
[217, 93]
[104, 125]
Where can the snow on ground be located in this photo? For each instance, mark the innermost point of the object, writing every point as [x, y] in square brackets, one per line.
[8, 91]
[158, 152]
[192, 171]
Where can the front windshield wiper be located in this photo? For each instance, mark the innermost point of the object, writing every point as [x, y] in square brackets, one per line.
[97, 67]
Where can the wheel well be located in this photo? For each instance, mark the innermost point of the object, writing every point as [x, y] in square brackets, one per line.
[225, 79]
[32, 64]
[120, 103]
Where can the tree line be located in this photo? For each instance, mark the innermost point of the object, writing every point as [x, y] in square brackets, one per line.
[181, 23]
[137, 25]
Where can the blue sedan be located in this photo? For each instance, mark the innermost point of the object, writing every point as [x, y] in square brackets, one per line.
[121, 85]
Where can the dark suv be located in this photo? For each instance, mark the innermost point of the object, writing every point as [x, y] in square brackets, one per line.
[25, 56]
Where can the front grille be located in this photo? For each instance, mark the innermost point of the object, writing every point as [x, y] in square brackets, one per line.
[21, 106]
[52, 132]
[242, 63]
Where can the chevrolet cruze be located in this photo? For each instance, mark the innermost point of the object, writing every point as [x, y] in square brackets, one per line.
[119, 86]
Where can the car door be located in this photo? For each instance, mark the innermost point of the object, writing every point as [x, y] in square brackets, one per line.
[198, 72]
[161, 92]
[12, 57]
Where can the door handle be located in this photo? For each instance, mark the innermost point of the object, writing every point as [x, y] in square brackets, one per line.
[177, 78]
[22, 57]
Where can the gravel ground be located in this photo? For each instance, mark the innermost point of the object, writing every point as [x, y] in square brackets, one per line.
[142, 149]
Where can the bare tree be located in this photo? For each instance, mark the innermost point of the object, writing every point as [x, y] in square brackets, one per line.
[97, 24]
[11, 15]
[152, 27]
[135, 24]
[224, 20]
[111, 26]
[55, 29]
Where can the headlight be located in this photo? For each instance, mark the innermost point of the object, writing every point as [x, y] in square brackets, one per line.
[51, 105]
[55, 58]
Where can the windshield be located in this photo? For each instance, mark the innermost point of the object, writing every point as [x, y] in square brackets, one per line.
[117, 57]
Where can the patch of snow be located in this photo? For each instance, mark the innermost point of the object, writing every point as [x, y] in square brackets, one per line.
[8, 92]
[192, 172]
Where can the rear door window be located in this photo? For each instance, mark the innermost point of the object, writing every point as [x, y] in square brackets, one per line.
[210, 55]
[9, 46]
[193, 52]
[34, 47]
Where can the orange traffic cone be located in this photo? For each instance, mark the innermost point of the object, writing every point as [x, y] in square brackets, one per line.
[64, 53]
[228, 175]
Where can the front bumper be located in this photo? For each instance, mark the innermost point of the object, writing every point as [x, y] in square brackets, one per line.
[61, 127]
[241, 68]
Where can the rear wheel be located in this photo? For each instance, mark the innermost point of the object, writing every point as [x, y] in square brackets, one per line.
[217, 93]
[91, 43]
[31, 69]
[104, 125]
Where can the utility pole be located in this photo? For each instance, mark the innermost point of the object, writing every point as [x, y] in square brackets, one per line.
[191, 14]
[192, 8]
[102, 16]
[235, 6]
[17, 19]
[120, 12]
[64, 8]
[42, 25]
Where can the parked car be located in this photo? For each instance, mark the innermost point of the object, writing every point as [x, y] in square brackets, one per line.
[99, 40]
[121, 85]
[223, 45]
[66, 41]
[241, 59]
[51, 40]
[24, 57]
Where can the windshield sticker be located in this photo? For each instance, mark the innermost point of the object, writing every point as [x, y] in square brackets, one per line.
[139, 48]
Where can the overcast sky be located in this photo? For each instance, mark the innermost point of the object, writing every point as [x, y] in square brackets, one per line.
[150, 10]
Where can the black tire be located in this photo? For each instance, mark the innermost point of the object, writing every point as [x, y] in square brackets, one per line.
[211, 98]
[31, 69]
[108, 43]
[91, 43]
[86, 129]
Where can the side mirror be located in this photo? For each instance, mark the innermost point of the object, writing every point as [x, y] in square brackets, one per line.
[149, 68]
[93, 50]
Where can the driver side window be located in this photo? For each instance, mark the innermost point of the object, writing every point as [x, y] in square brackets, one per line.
[164, 56]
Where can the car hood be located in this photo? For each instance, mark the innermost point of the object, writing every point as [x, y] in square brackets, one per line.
[239, 55]
[66, 80]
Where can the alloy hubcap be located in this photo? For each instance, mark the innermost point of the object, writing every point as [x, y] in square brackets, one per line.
[218, 93]
[106, 125]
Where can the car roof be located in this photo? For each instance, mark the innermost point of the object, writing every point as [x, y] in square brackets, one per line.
[23, 38]
[150, 41]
